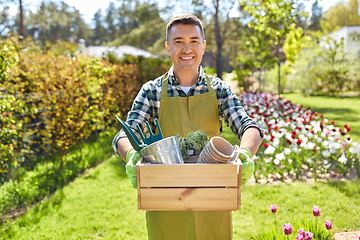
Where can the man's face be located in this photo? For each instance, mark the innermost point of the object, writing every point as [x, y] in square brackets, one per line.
[185, 46]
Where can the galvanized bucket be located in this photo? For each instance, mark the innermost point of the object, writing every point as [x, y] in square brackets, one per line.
[165, 151]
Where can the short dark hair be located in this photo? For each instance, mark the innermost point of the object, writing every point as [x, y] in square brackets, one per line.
[186, 19]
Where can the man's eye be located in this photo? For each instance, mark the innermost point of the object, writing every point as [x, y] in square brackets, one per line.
[177, 41]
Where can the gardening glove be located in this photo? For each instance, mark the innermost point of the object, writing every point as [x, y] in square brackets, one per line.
[247, 165]
[132, 157]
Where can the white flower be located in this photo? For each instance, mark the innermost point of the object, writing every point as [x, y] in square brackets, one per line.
[269, 159]
[354, 150]
[319, 140]
[323, 134]
[276, 142]
[275, 115]
[272, 121]
[255, 157]
[326, 153]
[309, 145]
[325, 143]
[342, 159]
[280, 156]
[267, 137]
[276, 161]
[317, 128]
[310, 160]
[278, 135]
[269, 150]
[287, 151]
[310, 135]
[355, 144]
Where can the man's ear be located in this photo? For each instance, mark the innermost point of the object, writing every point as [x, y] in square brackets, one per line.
[203, 50]
[167, 48]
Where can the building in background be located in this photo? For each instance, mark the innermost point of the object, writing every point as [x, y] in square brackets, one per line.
[119, 52]
[351, 37]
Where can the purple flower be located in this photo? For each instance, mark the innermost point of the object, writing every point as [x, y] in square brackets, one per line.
[308, 235]
[299, 237]
[287, 228]
[328, 225]
[302, 232]
[316, 211]
[273, 208]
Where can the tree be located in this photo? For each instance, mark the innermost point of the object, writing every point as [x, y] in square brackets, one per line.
[5, 21]
[52, 22]
[274, 18]
[317, 15]
[99, 30]
[219, 12]
[110, 21]
[342, 14]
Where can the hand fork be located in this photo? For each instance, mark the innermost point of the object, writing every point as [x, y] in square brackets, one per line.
[152, 138]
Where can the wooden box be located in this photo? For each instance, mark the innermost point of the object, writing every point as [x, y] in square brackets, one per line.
[189, 186]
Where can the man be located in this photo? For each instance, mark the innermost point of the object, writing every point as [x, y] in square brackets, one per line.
[185, 99]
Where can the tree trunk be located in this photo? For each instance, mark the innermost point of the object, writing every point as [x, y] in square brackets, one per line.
[260, 79]
[21, 23]
[279, 76]
[219, 61]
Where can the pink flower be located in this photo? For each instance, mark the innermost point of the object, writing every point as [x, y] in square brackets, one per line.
[328, 225]
[287, 228]
[316, 211]
[299, 237]
[301, 232]
[273, 208]
[308, 235]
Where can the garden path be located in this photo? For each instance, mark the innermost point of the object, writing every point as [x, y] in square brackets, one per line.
[347, 235]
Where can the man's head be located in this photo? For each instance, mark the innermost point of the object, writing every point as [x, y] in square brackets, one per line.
[185, 19]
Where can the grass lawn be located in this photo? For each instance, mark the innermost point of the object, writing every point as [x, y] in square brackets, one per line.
[343, 110]
[101, 204]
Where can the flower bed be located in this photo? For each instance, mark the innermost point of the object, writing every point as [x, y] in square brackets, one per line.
[298, 139]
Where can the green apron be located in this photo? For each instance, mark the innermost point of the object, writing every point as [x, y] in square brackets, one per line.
[181, 115]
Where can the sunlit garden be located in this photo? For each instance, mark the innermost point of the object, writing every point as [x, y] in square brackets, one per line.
[59, 177]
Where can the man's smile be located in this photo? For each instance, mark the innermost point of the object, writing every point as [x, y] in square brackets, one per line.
[187, 58]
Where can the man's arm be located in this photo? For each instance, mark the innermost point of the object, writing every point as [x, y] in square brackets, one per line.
[251, 139]
[123, 146]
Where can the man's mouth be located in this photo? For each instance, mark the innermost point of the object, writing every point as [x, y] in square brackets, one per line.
[186, 58]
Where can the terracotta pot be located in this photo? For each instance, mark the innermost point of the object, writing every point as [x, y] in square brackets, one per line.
[218, 150]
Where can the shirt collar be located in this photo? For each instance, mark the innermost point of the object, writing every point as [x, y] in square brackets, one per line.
[172, 79]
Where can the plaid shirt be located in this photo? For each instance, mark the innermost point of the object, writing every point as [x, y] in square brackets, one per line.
[147, 104]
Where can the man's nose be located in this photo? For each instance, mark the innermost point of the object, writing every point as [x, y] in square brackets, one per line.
[187, 48]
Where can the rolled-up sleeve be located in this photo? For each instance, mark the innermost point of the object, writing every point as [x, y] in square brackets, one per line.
[234, 114]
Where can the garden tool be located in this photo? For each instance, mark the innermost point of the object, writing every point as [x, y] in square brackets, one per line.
[152, 138]
[134, 140]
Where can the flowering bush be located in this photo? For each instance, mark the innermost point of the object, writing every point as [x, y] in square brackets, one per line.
[297, 138]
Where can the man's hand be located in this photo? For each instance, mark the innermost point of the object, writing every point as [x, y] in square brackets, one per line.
[247, 165]
[132, 157]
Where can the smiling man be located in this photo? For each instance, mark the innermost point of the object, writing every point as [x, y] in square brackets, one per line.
[185, 99]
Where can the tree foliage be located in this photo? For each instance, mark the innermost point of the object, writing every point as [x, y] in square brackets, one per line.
[274, 18]
[342, 14]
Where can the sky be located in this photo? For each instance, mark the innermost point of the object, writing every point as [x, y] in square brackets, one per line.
[88, 7]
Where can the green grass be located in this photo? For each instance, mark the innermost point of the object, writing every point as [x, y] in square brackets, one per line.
[343, 110]
[101, 204]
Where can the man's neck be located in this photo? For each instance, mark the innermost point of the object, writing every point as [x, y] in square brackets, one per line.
[186, 78]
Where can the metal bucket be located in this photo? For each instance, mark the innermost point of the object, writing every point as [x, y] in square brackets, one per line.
[165, 151]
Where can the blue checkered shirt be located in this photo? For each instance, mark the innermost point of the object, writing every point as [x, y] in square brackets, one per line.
[146, 105]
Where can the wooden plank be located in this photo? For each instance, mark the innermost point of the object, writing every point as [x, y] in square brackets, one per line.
[239, 198]
[188, 175]
[180, 199]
